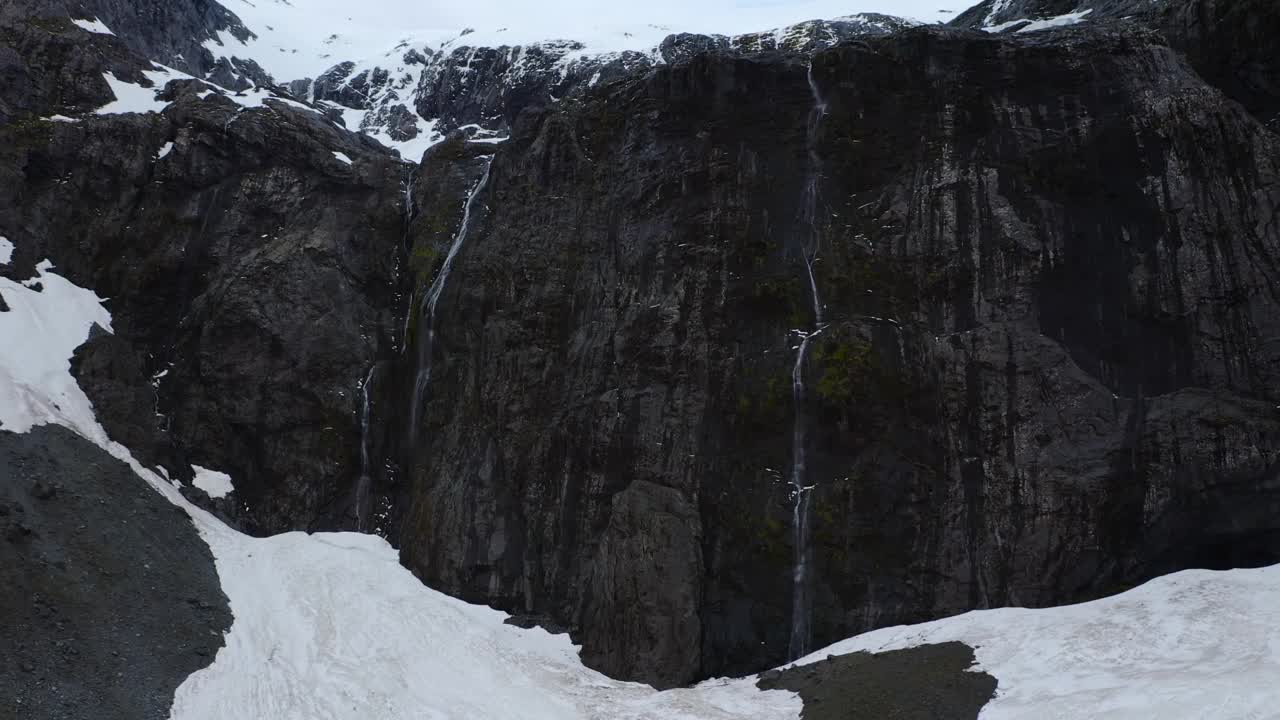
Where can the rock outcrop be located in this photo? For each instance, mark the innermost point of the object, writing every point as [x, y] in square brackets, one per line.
[177, 34]
[1232, 43]
[248, 247]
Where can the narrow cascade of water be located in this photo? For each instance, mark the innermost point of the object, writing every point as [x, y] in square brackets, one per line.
[364, 485]
[800, 487]
[408, 228]
[427, 308]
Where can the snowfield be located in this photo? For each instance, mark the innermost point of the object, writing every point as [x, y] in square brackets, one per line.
[330, 626]
[1196, 644]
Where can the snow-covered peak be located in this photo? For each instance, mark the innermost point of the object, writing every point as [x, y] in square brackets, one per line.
[411, 95]
[407, 72]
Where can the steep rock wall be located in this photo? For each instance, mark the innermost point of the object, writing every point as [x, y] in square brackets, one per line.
[1048, 266]
[250, 270]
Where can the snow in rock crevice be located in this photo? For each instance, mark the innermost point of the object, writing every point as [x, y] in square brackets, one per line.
[94, 26]
[1048, 23]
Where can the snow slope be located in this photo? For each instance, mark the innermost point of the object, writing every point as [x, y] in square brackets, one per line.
[1197, 644]
[331, 626]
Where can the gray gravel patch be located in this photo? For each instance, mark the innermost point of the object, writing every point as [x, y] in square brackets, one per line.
[930, 682]
[109, 597]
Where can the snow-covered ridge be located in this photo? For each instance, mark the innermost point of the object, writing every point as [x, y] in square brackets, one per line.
[391, 73]
[408, 97]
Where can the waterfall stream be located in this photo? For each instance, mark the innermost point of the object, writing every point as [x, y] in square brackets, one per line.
[799, 486]
[364, 485]
[427, 308]
[409, 186]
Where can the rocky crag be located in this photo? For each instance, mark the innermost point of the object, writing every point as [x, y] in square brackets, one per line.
[1044, 371]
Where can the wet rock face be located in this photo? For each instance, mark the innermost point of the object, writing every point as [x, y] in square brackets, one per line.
[110, 597]
[1232, 43]
[249, 270]
[1044, 376]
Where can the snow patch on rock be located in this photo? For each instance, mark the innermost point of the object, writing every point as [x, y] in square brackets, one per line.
[94, 26]
[214, 484]
[134, 98]
[1049, 23]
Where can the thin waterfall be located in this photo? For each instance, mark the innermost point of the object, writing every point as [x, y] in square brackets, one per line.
[364, 485]
[408, 228]
[800, 486]
[427, 308]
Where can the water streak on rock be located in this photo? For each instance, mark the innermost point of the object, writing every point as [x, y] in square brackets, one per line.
[427, 309]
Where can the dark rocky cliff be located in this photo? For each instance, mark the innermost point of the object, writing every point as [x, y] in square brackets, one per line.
[250, 271]
[1232, 43]
[1046, 369]
[1048, 264]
